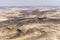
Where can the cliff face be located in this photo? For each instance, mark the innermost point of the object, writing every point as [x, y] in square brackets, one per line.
[30, 24]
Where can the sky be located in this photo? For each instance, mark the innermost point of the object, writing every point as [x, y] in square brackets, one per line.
[29, 2]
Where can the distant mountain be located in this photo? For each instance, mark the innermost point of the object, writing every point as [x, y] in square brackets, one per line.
[4, 7]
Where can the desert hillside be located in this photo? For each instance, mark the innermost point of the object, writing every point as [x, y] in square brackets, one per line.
[30, 24]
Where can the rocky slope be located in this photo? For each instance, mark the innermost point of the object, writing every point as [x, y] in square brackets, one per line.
[30, 24]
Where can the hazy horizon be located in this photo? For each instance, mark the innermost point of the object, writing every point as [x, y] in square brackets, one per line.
[29, 2]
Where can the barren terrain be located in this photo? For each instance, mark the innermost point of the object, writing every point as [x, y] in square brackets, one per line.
[30, 24]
